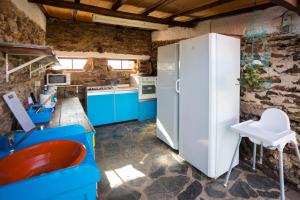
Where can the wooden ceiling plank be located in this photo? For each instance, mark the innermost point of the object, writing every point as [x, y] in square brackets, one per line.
[107, 12]
[200, 8]
[235, 5]
[235, 12]
[118, 4]
[287, 5]
[157, 5]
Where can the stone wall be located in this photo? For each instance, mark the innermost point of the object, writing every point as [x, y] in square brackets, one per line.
[284, 94]
[32, 11]
[96, 73]
[16, 27]
[155, 45]
[69, 36]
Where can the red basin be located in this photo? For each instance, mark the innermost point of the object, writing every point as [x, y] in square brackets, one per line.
[40, 158]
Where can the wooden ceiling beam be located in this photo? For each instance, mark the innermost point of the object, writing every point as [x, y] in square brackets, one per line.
[118, 4]
[200, 8]
[157, 5]
[107, 12]
[235, 12]
[287, 5]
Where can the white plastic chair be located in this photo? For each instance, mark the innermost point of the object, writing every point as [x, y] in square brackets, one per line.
[271, 131]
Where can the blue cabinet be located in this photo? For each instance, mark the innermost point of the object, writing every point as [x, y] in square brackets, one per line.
[126, 105]
[110, 108]
[147, 110]
[101, 109]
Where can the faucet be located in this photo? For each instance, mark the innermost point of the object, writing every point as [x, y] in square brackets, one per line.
[12, 145]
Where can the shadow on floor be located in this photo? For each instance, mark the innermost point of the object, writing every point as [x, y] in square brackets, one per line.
[135, 164]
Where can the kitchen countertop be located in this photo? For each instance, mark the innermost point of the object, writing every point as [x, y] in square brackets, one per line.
[112, 91]
[69, 111]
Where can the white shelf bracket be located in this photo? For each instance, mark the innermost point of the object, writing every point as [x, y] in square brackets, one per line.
[30, 71]
[42, 67]
[6, 67]
[8, 72]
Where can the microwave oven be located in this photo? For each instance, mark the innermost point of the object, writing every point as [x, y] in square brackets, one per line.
[58, 79]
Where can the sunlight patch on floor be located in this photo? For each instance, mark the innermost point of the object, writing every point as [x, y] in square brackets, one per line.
[177, 157]
[164, 132]
[121, 175]
[143, 159]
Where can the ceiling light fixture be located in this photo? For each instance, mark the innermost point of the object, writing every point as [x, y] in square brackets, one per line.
[128, 22]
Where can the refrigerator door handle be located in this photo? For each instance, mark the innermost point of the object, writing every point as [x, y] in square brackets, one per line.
[177, 86]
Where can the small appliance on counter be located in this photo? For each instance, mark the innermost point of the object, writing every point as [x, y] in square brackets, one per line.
[95, 90]
[58, 79]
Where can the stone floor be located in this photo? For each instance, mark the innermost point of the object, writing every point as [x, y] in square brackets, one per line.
[137, 165]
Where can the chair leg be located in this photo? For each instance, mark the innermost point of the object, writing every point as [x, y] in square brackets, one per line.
[232, 160]
[254, 157]
[282, 196]
[261, 154]
[296, 149]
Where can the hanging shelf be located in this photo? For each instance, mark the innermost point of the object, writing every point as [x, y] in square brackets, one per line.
[42, 53]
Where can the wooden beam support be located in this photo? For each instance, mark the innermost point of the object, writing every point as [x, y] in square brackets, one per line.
[235, 12]
[157, 5]
[107, 12]
[43, 10]
[287, 5]
[118, 4]
[200, 8]
[74, 14]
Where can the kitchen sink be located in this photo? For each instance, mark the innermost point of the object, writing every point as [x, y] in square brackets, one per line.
[39, 159]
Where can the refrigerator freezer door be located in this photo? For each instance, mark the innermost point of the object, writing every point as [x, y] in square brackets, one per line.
[167, 98]
[227, 100]
[194, 102]
[209, 101]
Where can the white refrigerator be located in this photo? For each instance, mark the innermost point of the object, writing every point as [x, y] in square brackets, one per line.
[167, 94]
[208, 68]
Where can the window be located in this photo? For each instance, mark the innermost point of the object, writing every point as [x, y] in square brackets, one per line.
[121, 64]
[70, 64]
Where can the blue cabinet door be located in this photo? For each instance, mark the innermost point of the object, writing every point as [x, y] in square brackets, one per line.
[126, 105]
[147, 110]
[101, 109]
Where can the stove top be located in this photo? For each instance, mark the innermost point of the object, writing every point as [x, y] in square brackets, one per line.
[100, 88]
